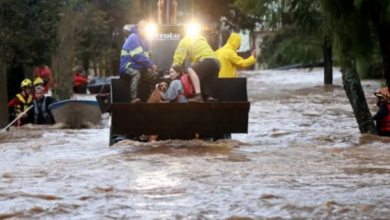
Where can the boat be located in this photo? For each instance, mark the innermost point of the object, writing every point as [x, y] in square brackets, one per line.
[76, 113]
[100, 85]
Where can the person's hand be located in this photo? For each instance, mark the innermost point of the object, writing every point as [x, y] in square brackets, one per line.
[167, 77]
[24, 116]
[254, 53]
[154, 68]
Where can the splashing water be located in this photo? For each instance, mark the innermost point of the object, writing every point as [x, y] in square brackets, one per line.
[303, 158]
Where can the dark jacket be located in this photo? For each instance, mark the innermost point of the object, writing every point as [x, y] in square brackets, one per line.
[40, 113]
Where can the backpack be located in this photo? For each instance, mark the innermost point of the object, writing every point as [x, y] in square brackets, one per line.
[187, 86]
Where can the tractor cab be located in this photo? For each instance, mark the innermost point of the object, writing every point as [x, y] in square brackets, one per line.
[175, 120]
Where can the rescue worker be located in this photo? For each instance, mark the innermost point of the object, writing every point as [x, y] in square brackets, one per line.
[204, 67]
[79, 81]
[382, 117]
[44, 73]
[229, 58]
[40, 113]
[22, 102]
[135, 64]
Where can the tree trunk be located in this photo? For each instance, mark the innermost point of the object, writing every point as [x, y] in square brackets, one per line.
[63, 59]
[328, 62]
[355, 94]
[3, 96]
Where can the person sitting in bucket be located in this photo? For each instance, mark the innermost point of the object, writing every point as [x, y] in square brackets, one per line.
[22, 102]
[180, 89]
[135, 64]
[382, 117]
[40, 112]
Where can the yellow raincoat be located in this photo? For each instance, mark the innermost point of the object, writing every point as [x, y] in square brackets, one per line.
[229, 58]
[195, 48]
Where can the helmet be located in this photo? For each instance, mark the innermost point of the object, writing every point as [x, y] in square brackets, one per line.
[127, 30]
[25, 83]
[37, 81]
[383, 93]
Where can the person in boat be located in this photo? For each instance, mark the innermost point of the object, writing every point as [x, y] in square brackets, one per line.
[135, 64]
[22, 102]
[179, 87]
[79, 81]
[229, 58]
[204, 67]
[40, 113]
[382, 117]
[44, 73]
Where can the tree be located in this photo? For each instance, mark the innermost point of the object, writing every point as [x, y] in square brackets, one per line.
[349, 28]
[303, 23]
[27, 36]
[359, 25]
[368, 18]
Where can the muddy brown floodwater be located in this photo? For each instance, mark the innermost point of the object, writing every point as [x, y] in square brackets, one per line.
[303, 158]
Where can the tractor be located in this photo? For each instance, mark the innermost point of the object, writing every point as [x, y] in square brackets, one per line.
[210, 121]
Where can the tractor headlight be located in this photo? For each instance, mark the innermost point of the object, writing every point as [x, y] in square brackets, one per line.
[193, 30]
[151, 30]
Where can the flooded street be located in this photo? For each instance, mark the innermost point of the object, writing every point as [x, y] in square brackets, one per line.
[303, 158]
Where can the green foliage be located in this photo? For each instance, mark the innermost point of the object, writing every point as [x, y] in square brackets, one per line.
[97, 20]
[370, 68]
[207, 11]
[300, 29]
[356, 36]
[28, 30]
[289, 46]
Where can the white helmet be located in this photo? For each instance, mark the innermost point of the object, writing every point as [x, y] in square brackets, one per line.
[127, 30]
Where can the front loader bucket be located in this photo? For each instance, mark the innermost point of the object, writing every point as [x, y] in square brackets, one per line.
[180, 120]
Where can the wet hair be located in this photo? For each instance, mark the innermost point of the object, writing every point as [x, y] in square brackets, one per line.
[178, 69]
[39, 89]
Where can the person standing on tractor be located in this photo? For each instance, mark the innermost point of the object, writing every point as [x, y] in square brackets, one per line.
[44, 73]
[382, 117]
[135, 64]
[204, 67]
[22, 102]
[229, 58]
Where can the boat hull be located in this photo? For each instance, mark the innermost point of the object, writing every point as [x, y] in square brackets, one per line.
[76, 113]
